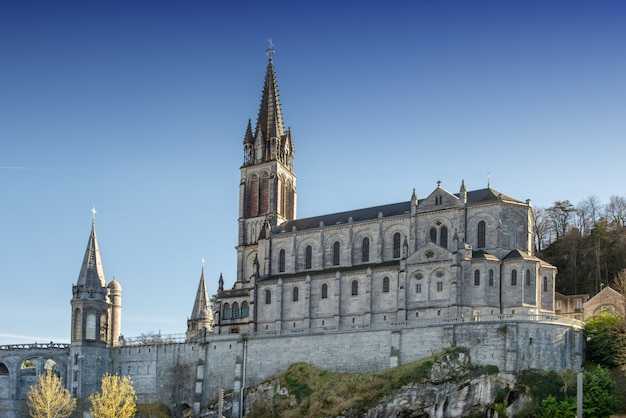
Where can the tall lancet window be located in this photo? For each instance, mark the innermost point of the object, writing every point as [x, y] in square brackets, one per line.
[253, 196]
[281, 261]
[336, 253]
[365, 250]
[481, 234]
[90, 326]
[396, 245]
[265, 193]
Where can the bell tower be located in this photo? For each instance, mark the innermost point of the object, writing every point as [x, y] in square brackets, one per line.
[267, 190]
[96, 319]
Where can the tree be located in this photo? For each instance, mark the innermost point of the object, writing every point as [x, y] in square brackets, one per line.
[49, 399]
[541, 228]
[606, 340]
[117, 400]
[616, 211]
[560, 216]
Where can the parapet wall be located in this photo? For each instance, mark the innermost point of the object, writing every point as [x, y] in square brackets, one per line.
[192, 373]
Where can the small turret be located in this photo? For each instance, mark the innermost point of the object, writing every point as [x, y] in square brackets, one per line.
[201, 321]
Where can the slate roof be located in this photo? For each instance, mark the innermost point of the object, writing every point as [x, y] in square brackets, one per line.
[473, 197]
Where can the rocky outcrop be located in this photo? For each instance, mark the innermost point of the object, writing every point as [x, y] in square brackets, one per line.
[454, 388]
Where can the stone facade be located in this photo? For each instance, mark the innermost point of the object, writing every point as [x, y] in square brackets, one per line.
[356, 291]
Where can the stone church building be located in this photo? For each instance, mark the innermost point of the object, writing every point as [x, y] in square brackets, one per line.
[355, 291]
[465, 254]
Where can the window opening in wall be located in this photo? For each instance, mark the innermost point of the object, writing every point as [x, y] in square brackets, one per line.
[545, 284]
[353, 320]
[324, 291]
[481, 234]
[268, 296]
[527, 277]
[385, 284]
[433, 235]
[396, 245]
[476, 277]
[245, 310]
[235, 311]
[443, 239]
[323, 322]
[438, 312]
[281, 261]
[336, 253]
[355, 287]
[226, 313]
[295, 294]
[365, 250]
[418, 288]
[417, 314]
[490, 277]
[439, 286]
[384, 317]
[308, 255]
[514, 278]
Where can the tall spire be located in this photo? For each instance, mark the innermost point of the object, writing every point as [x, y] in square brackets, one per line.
[270, 118]
[202, 314]
[91, 272]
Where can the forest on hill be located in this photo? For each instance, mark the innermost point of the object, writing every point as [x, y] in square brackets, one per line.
[586, 242]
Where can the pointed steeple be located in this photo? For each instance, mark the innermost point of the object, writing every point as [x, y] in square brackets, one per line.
[248, 139]
[202, 314]
[270, 119]
[91, 272]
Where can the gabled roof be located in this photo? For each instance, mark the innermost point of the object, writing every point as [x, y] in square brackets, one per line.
[394, 209]
[483, 255]
[488, 195]
[91, 272]
[517, 255]
[345, 217]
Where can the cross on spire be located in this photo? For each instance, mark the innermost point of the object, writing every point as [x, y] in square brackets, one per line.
[270, 51]
[93, 213]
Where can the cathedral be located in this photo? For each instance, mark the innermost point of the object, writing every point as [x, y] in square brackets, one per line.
[354, 291]
[450, 255]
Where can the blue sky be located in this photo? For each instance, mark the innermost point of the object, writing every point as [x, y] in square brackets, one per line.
[139, 109]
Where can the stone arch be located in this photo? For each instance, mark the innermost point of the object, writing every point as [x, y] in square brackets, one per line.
[388, 238]
[4, 370]
[77, 326]
[183, 411]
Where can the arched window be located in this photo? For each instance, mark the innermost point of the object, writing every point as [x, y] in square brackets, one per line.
[295, 294]
[324, 291]
[355, 287]
[365, 250]
[545, 284]
[527, 277]
[226, 311]
[385, 284]
[396, 245]
[245, 310]
[308, 255]
[253, 196]
[281, 261]
[476, 277]
[443, 239]
[265, 193]
[514, 278]
[235, 311]
[433, 234]
[268, 296]
[490, 277]
[481, 234]
[336, 253]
